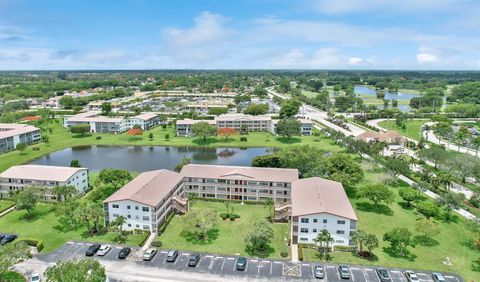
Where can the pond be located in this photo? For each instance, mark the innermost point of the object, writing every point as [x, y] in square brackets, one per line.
[368, 91]
[145, 158]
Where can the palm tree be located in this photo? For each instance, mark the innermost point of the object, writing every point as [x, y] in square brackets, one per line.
[371, 242]
[269, 204]
[446, 179]
[324, 238]
[359, 237]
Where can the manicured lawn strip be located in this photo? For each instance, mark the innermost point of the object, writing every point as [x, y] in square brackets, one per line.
[12, 276]
[5, 204]
[60, 138]
[44, 228]
[229, 236]
[453, 238]
[310, 94]
[412, 131]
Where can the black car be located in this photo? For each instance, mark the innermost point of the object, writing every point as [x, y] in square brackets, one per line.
[7, 239]
[383, 275]
[93, 249]
[241, 264]
[193, 260]
[123, 254]
[172, 256]
[1, 236]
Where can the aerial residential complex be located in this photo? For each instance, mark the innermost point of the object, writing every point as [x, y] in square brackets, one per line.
[312, 203]
[13, 134]
[104, 124]
[390, 137]
[240, 122]
[18, 177]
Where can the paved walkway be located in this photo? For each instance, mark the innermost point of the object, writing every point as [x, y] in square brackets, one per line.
[7, 211]
[149, 241]
[294, 248]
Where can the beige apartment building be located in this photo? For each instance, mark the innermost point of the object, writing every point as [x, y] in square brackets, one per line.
[312, 203]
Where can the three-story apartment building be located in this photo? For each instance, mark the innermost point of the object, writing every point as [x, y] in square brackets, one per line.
[13, 134]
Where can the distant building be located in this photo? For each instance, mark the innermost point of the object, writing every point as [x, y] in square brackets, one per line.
[52, 102]
[104, 124]
[240, 122]
[18, 177]
[389, 137]
[313, 204]
[13, 134]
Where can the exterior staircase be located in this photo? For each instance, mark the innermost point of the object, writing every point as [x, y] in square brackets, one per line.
[179, 204]
[283, 211]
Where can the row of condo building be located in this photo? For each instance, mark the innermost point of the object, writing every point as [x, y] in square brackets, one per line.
[13, 134]
[104, 124]
[312, 204]
[241, 122]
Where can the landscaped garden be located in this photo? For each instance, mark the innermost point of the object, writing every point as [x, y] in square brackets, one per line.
[226, 236]
[453, 238]
[412, 127]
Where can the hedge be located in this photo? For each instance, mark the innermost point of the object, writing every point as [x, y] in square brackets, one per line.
[300, 252]
[157, 244]
[32, 242]
[144, 239]
[9, 206]
[165, 223]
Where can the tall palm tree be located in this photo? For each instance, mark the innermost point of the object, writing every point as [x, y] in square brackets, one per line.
[324, 238]
[446, 179]
[359, 237]
[269, 204]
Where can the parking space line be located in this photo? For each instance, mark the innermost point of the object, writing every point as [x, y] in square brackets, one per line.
[163, 252]
[223, 263]
[209, 256]
[271, 268]
[277, 262]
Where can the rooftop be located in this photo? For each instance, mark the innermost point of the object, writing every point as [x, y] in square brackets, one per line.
[193, 121]
[41, 172]
[317, 195]
[149, 188]
[146, 116]
[240, 172]
[233, 117]
[93, 117]
[13, 129]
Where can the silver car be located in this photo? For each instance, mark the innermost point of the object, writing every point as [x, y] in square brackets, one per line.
[149, 254]
[438, 277]
[411, 276]
[104, 249]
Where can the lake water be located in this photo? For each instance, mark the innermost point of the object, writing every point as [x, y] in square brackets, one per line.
[399, 96]
[145, 158]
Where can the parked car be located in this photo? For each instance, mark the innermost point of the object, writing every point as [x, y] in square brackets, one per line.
[383, 275]
[411, 276]
[172, 256]
[344, 271]
[241, 263]
[193, 260]
[93, 249]
[35, 277]
[319, 271]
[149, 254]
[104, 249]
[438, 277]
[123, 254]
[8, 238]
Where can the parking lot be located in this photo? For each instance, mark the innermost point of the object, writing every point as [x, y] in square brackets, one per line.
[225, 266]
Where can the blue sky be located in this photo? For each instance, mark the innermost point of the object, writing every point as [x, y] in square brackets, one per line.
[247, 34]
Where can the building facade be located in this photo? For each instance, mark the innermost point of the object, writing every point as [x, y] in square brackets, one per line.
[18, 177]
[13, 134]
[146, 121]
[103, 124]
[313, 204]
[240, 123]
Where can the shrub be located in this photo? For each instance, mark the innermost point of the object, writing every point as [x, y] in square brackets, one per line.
[243, 139]
[146, 235]
[300, 252]
[224, 216]
[283, 254]
[35, 149]
[165, 223]
[31, 242]
[98, 137]
[167, 136]
[157, 244]
[344, 248]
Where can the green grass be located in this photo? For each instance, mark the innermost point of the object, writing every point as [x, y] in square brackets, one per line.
[310, 94]
[412, 130]
[43, 227]
[60, 138]
[12, 276]
[452, 241]
[228, 236]
[5, 204]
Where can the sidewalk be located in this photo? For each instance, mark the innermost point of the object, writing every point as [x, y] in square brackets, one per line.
[149, 241]
[7, 211]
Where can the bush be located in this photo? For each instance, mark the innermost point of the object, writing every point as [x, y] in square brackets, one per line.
[31, 242]
[98, 137]
[224, 216]
[157, 244]
[146, 235]
[35, 149]
[232, 217]
[300, 252]
[283, 254]
[165, 223]
[243, 139]
[344, 248]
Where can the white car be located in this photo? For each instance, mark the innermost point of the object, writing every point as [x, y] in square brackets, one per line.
[411, 276]
[35, 277]
[104, 249]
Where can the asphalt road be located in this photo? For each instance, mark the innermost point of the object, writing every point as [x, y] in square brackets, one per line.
[211, 267]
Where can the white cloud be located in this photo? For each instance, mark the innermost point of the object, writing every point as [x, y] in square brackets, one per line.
[423, 58]
[354, 60]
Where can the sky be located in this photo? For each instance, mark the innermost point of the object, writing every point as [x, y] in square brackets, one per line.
[240, 34]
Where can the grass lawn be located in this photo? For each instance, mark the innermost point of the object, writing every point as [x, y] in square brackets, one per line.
[60, 138]
[310, 94]
[412, 130]
[452, 241]
[44, 228]
[4, 204]
[228, 236]
[12, 276]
